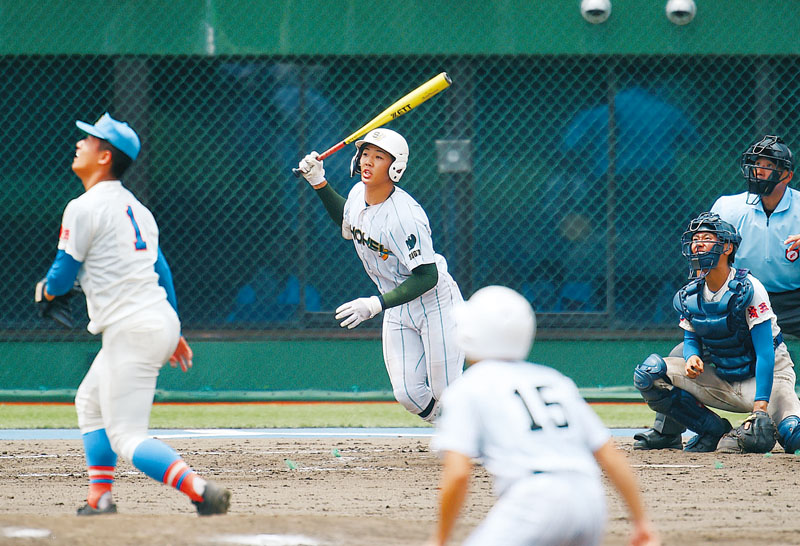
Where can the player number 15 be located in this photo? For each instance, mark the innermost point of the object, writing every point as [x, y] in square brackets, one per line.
[541, 409]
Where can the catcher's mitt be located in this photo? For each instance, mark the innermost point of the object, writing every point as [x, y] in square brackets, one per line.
[757, 434]
[57, 309]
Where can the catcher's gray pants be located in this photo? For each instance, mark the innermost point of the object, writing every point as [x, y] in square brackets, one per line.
[545, 509]
[739, 396]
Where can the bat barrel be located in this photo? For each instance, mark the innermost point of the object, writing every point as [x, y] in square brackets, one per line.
[410, 101]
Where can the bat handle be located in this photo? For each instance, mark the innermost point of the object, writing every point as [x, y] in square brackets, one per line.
[330, 151]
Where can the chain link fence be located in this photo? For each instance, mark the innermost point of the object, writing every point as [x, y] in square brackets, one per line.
[567, 178]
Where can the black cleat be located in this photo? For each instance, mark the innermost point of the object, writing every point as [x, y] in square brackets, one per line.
[87, 510]
[705, 443]
[216, 500]
[652, 439]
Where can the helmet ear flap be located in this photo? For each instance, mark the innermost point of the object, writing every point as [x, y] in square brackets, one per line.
[355, 166]
[397, 169]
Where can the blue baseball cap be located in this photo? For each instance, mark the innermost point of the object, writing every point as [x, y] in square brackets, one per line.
[118, 133]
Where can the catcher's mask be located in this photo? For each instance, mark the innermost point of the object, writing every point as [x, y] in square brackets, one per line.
[495, 323]
[708, 222]
[773, 149]
[389, 141]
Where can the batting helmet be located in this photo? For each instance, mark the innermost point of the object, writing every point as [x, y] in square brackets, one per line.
[389, 141]
[773, 149]
[495, 323]
[708, 222]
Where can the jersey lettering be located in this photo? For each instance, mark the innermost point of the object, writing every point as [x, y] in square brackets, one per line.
[542, 410]
[139, 244]
[370, 243]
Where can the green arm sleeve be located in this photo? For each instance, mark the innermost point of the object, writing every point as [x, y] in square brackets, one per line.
[333, 202]
[423, 278]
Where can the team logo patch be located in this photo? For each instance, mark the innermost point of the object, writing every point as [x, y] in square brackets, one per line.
[792, 254]
[754, 312]
[411, 241]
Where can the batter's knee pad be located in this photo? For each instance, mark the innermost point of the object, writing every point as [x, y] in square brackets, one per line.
[789, 433]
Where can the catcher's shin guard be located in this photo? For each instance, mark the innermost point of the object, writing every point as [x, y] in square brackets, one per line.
[789, 433]
[650, 378]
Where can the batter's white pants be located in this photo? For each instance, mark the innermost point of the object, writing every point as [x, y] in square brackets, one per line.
[739, 396]
[117, 392]
[419, 346]
[546, 509]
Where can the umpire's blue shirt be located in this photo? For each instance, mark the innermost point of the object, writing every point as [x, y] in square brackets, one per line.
[762, 250]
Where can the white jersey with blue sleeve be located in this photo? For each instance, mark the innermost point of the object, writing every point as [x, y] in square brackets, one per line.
[115, 238]
[520, 419]
[762, 249]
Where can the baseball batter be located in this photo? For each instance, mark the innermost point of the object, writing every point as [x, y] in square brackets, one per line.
[109, 242]
[392, 237]
[530, 428]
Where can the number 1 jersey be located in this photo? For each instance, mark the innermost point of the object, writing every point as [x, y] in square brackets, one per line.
[115, 238]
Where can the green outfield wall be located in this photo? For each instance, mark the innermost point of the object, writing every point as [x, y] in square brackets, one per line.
[304, 370]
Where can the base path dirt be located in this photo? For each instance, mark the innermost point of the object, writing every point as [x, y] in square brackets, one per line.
[318, 492]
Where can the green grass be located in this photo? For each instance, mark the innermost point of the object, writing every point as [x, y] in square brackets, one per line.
[277, 415]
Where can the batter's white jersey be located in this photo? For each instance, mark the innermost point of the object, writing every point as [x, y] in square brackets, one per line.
[419, 346]
[391, 238]
[116, 239]
[520, 420]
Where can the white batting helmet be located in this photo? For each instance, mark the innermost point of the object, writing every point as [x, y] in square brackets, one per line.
[495, 323]
[392, 143]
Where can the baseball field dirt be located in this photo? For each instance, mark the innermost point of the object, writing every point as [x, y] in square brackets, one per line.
[368, 492]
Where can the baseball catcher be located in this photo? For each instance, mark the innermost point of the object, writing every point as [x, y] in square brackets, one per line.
[734, 357]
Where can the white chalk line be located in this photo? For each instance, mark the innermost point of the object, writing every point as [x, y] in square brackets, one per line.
[668, 465]
[267, 540]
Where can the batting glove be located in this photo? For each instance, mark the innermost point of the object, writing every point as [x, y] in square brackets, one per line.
[357, 311]
[312, 170]
[182, 356]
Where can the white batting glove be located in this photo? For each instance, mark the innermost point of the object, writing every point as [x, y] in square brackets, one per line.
[357, 311]
[312, 170]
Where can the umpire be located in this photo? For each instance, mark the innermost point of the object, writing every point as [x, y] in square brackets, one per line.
[767, 217]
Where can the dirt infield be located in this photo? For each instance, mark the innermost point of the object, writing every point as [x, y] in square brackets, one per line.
[368, 492]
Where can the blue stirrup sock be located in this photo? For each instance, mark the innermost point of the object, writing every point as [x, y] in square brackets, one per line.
[101, 462]
[163, 464]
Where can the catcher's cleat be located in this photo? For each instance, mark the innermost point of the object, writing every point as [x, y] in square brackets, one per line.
[652, 439]
[729, 444]
[87, 510]
[216, 500]
[705, 443]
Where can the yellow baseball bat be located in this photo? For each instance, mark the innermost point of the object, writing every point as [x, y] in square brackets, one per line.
[399, 108]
